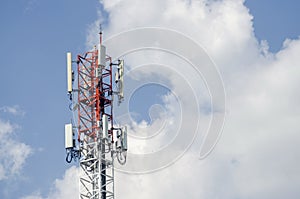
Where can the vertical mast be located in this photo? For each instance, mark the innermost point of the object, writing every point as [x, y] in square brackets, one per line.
[95, 128]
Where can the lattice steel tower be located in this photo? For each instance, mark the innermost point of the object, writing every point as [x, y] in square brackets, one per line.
[99, 141]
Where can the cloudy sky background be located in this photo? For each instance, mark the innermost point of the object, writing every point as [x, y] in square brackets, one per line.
[255, 46]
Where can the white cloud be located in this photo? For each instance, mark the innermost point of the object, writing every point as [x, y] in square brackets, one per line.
[257, 156]
[14, 110]
[30, 5]
[64, 188]
[13, 153]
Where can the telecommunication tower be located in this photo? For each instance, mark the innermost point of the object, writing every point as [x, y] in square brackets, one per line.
[99, 142]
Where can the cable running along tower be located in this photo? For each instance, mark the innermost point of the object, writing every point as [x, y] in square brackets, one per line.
[99, 141]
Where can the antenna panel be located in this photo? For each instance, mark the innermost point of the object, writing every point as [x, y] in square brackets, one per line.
[105, 126]
[124, 138]
[102, 55]
[69, 71]
[121, 79]
[68, 136]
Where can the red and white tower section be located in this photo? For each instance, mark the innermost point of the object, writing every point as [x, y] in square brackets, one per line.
[92, 138]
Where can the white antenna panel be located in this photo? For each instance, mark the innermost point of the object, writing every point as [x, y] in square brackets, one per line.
[102, 55]
[69, 71]
[68, 136]
[105, 126]
[121, 76]
[124, 138]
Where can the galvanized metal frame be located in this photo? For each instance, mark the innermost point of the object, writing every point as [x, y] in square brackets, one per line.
[95, 99]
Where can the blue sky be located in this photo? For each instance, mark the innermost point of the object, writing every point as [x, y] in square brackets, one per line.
[275, 21]
[35, 36]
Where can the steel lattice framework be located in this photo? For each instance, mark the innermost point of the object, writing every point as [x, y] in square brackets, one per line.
[95, 128]
[95, 100]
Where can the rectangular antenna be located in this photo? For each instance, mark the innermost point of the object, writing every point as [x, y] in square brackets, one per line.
[69, 72]
[121, 76]
[105, 126]
[124, 138]
[68, 136]
[101, 55]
